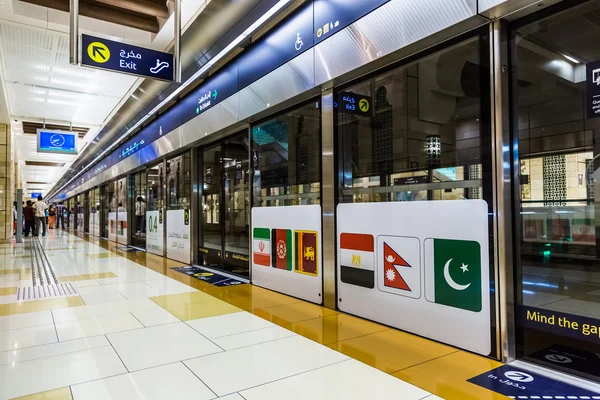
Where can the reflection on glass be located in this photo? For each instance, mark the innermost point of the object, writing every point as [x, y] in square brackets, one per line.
[414, 133]
[138, 198]
[556, 227]
[155, 183]
[286, 153]
[179, 182]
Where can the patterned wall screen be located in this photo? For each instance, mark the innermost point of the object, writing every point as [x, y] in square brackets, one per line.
[555, 180]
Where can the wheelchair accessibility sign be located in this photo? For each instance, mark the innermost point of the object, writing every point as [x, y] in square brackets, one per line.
[516, 383]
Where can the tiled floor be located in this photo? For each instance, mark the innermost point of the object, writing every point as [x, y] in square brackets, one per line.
[139, 330]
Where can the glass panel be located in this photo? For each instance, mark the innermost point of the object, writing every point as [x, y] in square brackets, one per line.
[210, 238]
[122, 210]
[155, 184]
[418, 137]
[236, 188]
[287, 150]
[179, 182]
[558, 265]
[138, 236]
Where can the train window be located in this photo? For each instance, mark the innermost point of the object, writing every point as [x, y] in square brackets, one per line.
[179, 182]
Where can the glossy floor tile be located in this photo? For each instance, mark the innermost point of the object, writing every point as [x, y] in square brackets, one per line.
[27, 337]
[25, 320]
[228, 324]
[54, 349]
[181, 298]
[172, 381]
[348, 380]
[56, 394]
[39, 305]
[164, 344]
[262, 363]
[96, 326]
[295, 312]
[392, 350]
[58, 371]
[250, 338]
[186, 312]
[447, 376]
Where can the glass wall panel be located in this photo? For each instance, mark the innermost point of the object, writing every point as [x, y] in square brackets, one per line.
[556, 226]
[179, 182]
[139, 206]
[154, 179]
[121, 187]
[225, 204]
[414, 133]
[286, 152]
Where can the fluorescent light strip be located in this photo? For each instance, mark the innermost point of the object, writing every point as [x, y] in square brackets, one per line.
[573, 60]
[223, 53]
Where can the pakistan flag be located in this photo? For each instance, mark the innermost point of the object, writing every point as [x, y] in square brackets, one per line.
[456, 273]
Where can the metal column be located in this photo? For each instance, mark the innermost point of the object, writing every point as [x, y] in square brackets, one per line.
[74, 33]
[177, 38]
[503, 181]
[328, 199]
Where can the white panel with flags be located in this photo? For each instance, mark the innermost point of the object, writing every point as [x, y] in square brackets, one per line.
[286, 250]
[422, 267]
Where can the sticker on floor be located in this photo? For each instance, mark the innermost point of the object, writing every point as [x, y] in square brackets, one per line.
[520, 384]
[208, 276]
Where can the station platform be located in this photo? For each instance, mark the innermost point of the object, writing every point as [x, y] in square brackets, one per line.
[125, 325]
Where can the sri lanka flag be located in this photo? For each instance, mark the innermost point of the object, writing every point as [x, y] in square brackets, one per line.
[307, 255]
[357, 259]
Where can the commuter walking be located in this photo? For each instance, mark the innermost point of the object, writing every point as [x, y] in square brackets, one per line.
[29, 216]
[51, 217]
[60, 215]
[40, 216]
[15, 218]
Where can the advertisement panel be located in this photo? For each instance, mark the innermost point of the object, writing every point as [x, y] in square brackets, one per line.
[122, 227]
[286, 250]
[112, 226]
[154, 232]
[178, 235]
[422, 267]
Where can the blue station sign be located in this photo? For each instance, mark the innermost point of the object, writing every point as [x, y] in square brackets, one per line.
[125, 58]
[61, 142]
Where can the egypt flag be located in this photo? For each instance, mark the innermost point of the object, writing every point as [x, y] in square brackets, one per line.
[357, 259]
[307, 254]
[282, 248]
[261, 247]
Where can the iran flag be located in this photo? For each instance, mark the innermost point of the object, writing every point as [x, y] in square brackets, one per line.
[261, 247]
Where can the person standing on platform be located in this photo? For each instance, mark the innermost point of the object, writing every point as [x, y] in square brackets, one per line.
[140, 215]
[29, 216]
[15, 218]
[51, 217]
[60, 215]
[40, 216]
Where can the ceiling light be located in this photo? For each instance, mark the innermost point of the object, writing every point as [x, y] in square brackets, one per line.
[574, 60]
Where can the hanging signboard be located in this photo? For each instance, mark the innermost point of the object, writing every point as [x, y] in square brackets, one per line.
[286, 250]
[422, 267]
[60, 142]
[178, 235]
[120, 57]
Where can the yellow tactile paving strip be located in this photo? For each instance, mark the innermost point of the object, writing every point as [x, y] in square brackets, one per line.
[435, 367]
[58, 394]
[15, 271]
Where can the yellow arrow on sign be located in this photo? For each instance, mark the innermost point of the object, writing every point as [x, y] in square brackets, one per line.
[98, 52]
[364, 105]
